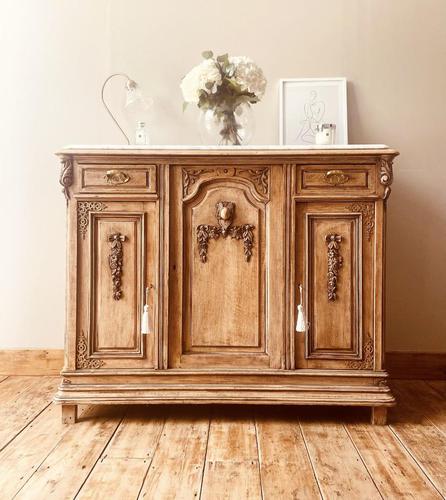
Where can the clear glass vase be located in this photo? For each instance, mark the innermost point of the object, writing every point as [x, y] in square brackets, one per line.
[233, 127]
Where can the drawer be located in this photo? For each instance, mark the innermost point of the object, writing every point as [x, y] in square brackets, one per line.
[335, 178]
[117, 178]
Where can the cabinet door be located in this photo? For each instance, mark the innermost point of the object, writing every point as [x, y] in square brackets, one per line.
[117, 259]
[334, 262]
[227, 266]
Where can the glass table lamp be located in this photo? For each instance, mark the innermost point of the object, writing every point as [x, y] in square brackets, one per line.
[136, 109]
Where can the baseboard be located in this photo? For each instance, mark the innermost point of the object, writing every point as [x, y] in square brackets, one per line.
[416, 365]
[408, 365]
[31, 361]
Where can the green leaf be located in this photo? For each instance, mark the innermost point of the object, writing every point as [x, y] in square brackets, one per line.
[209, 85]
[207, 54]
[224, 59]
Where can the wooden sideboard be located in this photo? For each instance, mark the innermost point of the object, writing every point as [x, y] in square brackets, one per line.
[221, 239]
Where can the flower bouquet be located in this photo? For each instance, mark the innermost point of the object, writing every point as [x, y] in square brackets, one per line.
[224, 88]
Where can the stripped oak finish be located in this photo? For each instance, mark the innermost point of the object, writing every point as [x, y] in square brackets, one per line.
[184, 452]
[217, 242]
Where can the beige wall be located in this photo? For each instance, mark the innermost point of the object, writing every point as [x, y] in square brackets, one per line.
[55, 54]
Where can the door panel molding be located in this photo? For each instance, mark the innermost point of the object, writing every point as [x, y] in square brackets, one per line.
[229, 305]
[334, 300]
[105, 312]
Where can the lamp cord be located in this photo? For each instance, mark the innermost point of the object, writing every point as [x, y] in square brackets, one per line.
[108, 109]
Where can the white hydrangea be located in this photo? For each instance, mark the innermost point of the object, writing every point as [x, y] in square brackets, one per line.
[248, 75]
[198, 77]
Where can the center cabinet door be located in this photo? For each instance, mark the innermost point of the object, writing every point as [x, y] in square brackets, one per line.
[227, 266]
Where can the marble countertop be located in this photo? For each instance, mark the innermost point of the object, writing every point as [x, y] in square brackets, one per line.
[186, 147]
[185, 150]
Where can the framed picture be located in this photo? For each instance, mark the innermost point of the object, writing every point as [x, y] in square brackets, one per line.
[306, 103]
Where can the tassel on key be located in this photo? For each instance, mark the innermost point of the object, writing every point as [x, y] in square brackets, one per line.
[146, 324]
[301, 326]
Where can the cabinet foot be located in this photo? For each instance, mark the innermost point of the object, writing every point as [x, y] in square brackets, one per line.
[379, 415]
[69, 414]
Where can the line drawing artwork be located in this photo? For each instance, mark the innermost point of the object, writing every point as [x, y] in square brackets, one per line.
[314, 111]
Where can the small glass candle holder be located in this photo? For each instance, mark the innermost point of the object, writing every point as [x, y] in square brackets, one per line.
[325, 134]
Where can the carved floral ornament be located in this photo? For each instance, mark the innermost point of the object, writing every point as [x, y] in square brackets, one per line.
[258, 176]
[366, 363]
[334, 258]
[83, 213]
[82, 359]
[225, 215]
[115, 261]
[368, 216]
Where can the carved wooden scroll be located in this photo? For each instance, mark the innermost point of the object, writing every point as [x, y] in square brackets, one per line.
[66, 176]
[334, 263]
[386, 174]
[368, 354]
[225, 215]
[83, 213]
[82, 359]
[115, 262]
[259, 177]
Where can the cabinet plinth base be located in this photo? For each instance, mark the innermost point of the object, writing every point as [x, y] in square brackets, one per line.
[341, 389]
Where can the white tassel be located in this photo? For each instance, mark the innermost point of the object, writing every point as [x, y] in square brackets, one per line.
[146, 326]
[301, 326]
[300, 323]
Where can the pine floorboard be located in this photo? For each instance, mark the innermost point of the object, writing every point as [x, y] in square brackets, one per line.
[220, 452]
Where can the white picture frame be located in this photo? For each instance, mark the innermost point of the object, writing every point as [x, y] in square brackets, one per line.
[307, 102]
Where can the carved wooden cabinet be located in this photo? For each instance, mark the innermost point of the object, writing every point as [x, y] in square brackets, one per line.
[216, 243]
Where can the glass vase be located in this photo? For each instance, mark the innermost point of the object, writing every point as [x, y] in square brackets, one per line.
[231, 127]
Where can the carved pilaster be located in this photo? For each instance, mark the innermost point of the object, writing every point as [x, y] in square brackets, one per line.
[66, 176]
[83, 211]
[386, 174]
[82, 359]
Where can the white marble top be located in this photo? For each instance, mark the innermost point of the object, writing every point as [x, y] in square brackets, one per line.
[224, 148]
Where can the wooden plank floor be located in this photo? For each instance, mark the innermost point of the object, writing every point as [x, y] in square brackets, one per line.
[178, 452]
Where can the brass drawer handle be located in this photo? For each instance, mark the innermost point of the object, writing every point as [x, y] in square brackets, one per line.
[116, 177]
[336, 177]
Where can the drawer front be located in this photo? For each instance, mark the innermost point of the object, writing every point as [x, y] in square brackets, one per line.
[325, 179]
[121, 178]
